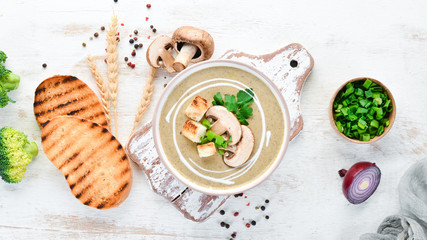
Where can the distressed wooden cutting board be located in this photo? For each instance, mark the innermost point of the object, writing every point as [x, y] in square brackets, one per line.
[288, 68]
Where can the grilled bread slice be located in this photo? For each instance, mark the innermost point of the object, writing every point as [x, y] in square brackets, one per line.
[93, 162]
[67, 95]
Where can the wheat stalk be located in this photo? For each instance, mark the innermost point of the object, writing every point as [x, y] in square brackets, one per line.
[112, 66]
[145, 100]
[102, 87]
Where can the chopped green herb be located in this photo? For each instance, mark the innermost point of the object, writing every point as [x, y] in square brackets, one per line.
[218, 140]
[361, 110]
[367, 83]
[206, 123]
[204, 140]
[210, 135]
[366, 137]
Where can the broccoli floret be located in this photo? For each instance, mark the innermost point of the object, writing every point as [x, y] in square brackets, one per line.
[16, 152]
[11, 82]
[3, 57]
[4, 99]
[8, 81]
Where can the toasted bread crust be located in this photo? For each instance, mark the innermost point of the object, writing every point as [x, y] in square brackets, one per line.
[67, 95]
[193, 130]
[93, 162]
[196, 110]
[206, 150]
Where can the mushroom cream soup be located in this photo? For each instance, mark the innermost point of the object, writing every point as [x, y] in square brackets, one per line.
[267, 125]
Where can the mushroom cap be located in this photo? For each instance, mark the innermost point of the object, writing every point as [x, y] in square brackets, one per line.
[243, 150]
[195, 36]
[158, 50]
[225, 122]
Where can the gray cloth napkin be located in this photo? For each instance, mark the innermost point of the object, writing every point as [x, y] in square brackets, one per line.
[412, 222]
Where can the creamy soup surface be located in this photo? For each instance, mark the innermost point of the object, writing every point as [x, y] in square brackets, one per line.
[212, 172]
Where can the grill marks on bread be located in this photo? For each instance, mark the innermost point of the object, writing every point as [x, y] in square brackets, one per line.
[67, 95]
[91, 159]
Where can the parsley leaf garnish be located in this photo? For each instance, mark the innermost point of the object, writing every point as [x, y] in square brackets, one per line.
[218, 100]
[243, 114]
[230, 103]
[245, 98]
[239, 106]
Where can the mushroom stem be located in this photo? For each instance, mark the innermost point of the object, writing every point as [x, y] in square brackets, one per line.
[184, 57]
[167, 62]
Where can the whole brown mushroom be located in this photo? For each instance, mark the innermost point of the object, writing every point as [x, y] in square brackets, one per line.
[193, 45]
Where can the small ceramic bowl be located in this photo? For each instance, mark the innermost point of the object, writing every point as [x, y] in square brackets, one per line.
[391, 117]
[160, 119]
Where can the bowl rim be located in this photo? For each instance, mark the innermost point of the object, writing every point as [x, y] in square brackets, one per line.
[225, 63]
[392, 116]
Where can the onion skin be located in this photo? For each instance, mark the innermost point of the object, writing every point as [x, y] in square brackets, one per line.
[350, 174]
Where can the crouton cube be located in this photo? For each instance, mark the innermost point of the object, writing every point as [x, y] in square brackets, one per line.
[197, 109]
[193, 130]
[206, 150]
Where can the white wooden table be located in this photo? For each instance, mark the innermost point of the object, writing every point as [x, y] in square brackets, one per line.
[386, 40]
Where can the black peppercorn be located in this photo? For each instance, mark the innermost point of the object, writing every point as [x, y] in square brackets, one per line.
[151, 26]
[267, 217]
[154, 30]
[136, 46]
[222, 212]
[262, 208]
[96, 34]
[136, 32]
[222, 224]
[227, 225]
[131, 41]
[253, 223]
[126, 59]
[116, 1]
[267, 201]
[102, 28]
[44, 65]
[140, 45]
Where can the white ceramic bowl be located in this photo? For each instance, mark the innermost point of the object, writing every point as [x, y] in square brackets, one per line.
[181, 77]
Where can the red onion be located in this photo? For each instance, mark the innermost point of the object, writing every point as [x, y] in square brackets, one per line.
[360, 181]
